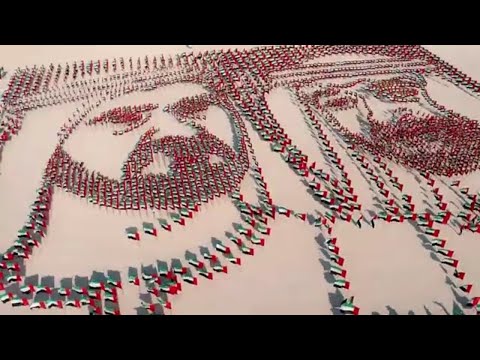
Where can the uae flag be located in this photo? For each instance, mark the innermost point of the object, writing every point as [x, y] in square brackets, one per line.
[6, 297]
[206, 274]
[195, 263]
[257, 240]
[132, 279]
[19, 302]
[165, 225]
[147, 306]
[439, 242]
[389, 202]
[133, 236]
[111, 310]
[244, 231]
[27, 289]
[270, 211]
[342, 284]
[384, 192]
[432, 232]
[337, 259]
[474, 302]
[301, 216]
[407, 198]
[206, 254]
[329, 215]
[222, 248]
[464, 190]
[445, 252]
[466, 288]
[333, 248]
[164, 302]
[234, 260]
[38, 305]
[114, 283]
[149, 229]
[455, 183]
[262, 229]
[398, 186]
[189, 278]
[345, 216]
[217, 266]
[177, 218]
[73, 303]
[249, 220]
[186, 213]
[80, 290]
[441, 205]
[347, 307]
[408, 207]
[64, 291]
[237, 196]
[54, 303]
[450, 261]
[459, 275]
[247, 250]
[284, 211]
[335, 270]
[23, 234]
[96, 285]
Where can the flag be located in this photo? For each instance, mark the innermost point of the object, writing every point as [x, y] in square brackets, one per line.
[445, 252]
[342, 284]
[189, 278]
[19, 302]
[132, 233]
[222, 248]
[466, 288]
[38, 305]
[217, 266]
[54, 303]
[455, 183]
[148, 228]
[329, 215]
[284, 211]
[257, 241]
[337, 259]
[177, 219]
[438, 242]
[450, 261]
[335, 270]
[301, 216]
[247, 250]
[262, 229]
[407, 198]
[233, 259]
[459, 275]
[464, 190]
[165, 225]
[186, 213]
[347, 307]
[432, 232]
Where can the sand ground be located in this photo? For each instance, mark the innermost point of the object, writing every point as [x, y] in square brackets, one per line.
[390, 270]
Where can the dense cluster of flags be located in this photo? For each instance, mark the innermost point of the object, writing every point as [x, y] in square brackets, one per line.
[238, 81]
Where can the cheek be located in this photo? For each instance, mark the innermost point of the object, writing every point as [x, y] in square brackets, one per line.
[100, 150]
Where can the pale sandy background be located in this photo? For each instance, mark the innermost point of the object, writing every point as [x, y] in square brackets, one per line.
[389, 269]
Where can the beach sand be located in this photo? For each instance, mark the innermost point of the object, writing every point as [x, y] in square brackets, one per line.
[390, 268]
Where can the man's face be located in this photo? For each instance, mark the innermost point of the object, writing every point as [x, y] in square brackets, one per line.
[181, 147]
